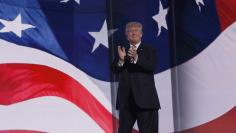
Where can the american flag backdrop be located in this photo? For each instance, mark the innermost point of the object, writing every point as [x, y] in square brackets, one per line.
[50, 53]
[205, 74]
[55, 60]
[55, 63]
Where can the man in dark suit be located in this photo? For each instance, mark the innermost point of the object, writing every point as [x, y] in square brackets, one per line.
[137, 98]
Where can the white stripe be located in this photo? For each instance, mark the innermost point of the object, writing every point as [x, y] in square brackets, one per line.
[207, 82]
[48, 114]
[12, 53]
[164, 90]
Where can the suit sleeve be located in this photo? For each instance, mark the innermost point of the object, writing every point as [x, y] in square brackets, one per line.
[147, 59]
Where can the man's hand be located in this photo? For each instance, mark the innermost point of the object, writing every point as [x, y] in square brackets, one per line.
[121, 53]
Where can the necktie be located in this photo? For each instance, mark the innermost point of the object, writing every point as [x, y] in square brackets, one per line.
[133, 47]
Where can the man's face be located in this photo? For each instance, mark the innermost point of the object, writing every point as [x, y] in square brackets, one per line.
[134, 34]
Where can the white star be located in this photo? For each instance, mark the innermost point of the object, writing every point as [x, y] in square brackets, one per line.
[101, 37]
[15, 26]
[160, 18]
[199, 3]
[65, 1]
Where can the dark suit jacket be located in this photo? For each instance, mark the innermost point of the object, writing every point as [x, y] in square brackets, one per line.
[138, 80]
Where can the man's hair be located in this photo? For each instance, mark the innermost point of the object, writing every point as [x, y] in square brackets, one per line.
[133, 24]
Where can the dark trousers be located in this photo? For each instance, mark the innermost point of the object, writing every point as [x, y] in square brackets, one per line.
[147, 119]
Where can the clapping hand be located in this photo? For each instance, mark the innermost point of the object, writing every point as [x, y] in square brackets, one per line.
[121, 53]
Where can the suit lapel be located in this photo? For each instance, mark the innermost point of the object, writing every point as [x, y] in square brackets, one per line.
[140, 48]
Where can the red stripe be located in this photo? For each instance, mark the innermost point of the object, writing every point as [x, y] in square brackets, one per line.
[20, 82]
[223, 124]
[227, 12]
